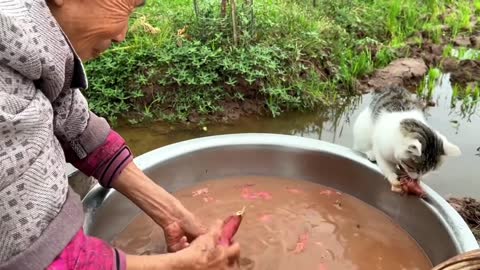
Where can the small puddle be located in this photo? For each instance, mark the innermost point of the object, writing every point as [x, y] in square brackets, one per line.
[459, 123]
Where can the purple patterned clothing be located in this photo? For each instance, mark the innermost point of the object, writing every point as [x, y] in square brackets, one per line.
[45, 122]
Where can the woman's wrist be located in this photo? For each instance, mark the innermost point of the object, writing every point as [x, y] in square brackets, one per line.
[171, 261]
[150, 197]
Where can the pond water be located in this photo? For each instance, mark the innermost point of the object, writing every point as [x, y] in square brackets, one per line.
[457, 177]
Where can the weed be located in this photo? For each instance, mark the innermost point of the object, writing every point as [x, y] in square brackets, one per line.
[428, 84]
[461, 53]
[460, 17]
[384, 56]
[468, 96]
[185, 57]
[476, 4]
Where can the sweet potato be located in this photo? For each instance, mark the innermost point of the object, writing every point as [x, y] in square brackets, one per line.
[412, 186]
[230, 228]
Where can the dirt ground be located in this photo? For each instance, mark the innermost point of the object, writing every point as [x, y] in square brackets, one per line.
[409, 71]
[469, 209]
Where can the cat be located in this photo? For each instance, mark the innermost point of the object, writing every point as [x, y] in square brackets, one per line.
[393, 132]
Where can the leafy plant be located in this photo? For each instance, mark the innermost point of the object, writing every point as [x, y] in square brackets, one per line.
[184, 57]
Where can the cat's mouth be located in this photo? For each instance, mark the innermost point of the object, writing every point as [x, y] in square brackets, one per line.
[403, 172]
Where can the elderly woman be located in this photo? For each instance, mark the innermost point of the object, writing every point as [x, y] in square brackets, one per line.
[45, 122]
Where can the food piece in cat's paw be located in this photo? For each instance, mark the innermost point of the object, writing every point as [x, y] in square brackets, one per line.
[397, 189]
[412, 187]
[393, 179]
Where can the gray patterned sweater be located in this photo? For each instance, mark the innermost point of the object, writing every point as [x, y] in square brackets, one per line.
[43, 117]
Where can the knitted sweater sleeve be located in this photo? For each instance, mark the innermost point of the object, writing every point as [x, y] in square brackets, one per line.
[88, 141]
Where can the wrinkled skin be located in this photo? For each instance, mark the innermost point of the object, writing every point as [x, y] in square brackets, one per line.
[206, 253]
[92, 26]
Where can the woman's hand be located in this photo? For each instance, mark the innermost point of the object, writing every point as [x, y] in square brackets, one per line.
[184, 229]
[203, 254]
[206, 254]
[180, 225]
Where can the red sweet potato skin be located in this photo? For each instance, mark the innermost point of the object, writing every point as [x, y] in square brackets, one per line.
[230, 228]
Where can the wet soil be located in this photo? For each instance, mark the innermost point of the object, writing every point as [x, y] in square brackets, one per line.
[409, 71]
[406, 72]
[290, 224]
[469, 209]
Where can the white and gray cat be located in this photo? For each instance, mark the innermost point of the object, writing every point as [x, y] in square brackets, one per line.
[393, 132]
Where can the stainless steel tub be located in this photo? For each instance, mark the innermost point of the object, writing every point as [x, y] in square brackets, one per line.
[435, 225]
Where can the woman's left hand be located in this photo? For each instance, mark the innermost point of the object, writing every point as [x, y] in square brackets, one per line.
[180, 226]
[183, 230]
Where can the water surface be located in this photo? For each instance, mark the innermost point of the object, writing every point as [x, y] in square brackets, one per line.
[457, 177]
[290, 224]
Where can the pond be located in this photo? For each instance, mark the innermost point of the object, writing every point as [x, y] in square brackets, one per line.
[458, 177]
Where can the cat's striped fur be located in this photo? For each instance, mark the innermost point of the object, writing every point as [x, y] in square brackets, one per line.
[393, 131]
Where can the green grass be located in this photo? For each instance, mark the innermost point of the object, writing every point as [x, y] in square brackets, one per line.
[464, 97]
[182, 58]
[428, 84]
[468, 97]
[461, 53]
[460, 18]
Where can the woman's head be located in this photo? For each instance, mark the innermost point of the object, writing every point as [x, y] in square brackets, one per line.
[93, 25]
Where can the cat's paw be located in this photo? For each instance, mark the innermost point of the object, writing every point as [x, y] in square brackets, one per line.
[371, 156]
[396, 184]
[397, 189]
[393, 179]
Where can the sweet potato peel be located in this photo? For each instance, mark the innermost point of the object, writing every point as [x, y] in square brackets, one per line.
[412, 187]
[249, 194]
[301, 243]
[199, 192]
[230, 228]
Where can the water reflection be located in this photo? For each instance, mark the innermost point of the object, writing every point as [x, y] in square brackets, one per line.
[458, 121]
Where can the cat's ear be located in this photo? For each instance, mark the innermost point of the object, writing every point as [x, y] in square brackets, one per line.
[415, 147]
[450, 149]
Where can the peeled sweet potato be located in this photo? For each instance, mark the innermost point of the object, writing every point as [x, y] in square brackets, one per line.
[230, 228]
[412, 187]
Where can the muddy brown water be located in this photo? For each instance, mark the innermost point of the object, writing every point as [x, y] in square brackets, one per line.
[290, 224]
[457, 177]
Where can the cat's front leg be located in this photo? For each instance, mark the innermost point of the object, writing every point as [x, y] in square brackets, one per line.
[371, 155]
[388, 171]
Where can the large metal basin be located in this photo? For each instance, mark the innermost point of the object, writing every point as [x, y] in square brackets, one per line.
[436, 226]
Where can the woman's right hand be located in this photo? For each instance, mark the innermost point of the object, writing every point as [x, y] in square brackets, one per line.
[202, 254]
[205, 253]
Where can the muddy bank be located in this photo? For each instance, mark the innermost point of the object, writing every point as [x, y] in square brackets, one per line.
[232, 110]
[411, 65]
[463, 71]
[469, 209]
[406, 72]
[418, 59]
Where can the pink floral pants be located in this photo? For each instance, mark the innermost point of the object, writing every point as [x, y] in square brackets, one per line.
[88, 253]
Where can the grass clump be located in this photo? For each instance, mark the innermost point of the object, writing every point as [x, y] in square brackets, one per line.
[461, 53]
[428, 84]
[185, 57]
